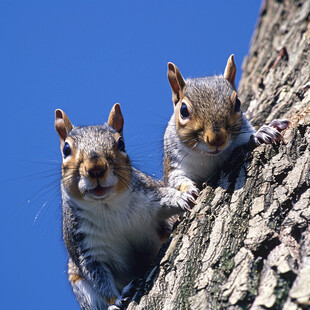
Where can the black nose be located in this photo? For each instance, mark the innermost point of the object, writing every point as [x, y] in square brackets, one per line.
[97, 172]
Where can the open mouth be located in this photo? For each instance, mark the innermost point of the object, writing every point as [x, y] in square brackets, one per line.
[215, 152]
[100, 191]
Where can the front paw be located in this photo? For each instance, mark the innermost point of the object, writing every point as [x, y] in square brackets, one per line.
[280, 124]
[190, 188]
[271, 133]
[187, 201]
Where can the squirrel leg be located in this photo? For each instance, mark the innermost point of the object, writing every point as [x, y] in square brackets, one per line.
[173, 202]
[101, 281]
[271, 133]
[87, 297]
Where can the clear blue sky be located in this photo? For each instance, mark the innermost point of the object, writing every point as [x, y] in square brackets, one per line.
[82, 57]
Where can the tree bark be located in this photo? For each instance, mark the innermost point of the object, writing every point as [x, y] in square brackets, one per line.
[246, 245]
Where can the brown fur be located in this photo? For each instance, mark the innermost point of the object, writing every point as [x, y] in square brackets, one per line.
[71, 171]
[230, 71]
[213, 119]
[110, 301]
[79, 163]
[73, 278]
[122, 170]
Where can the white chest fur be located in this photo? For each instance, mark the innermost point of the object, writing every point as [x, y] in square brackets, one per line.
[112, 228]
[198, 165]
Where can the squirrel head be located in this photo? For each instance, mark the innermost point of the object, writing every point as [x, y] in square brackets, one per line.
[95, 164]
[207, 110]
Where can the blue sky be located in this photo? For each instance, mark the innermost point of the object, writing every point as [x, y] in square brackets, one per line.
[82, 57]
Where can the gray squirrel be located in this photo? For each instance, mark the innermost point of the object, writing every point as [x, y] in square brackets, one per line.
[206, 126]
[115, 217]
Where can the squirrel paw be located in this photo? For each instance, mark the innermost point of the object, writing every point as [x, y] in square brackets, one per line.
[190, 188]
[126, 296]
[280, 124]
[271, 133]
[173, 201]
[187, 201]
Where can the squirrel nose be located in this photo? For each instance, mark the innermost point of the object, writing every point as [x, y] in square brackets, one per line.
[216, 140]
[97, 172]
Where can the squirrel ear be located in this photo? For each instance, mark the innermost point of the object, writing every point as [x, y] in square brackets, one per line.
[176, 81]
[62, 124]
[116, 119]
[230, 71]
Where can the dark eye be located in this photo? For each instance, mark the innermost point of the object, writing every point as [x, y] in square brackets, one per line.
[184, 111]
[237, 105]
[66, 150]
[121, 145]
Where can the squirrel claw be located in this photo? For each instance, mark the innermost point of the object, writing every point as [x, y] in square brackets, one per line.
[190, 202]
[190, 193]
[280, 124]
[195, 192]
[193, 201]
[271, 133]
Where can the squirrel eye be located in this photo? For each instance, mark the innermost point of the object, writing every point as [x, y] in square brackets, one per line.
[121, 145]
[237, 105]
[66, 150]
[184, 111]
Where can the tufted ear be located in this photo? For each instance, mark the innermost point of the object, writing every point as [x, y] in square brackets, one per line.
[176, 81]
[116, 119]
[62, 124]
[230, 71]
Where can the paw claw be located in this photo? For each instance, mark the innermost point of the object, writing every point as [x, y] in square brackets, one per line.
[272, 133]
[188, 202]
[193, 201]
[195, 192]
[280, 124]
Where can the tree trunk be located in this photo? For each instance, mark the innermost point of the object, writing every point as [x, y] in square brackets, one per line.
[246, 245]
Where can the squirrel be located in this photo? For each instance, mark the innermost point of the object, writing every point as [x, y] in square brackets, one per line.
[206, 126]
[115, 218]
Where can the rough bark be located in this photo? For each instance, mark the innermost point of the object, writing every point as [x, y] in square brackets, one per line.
[246, 245]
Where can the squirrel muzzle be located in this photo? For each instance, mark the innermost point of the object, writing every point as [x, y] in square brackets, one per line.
[216, 140]
[96, 169]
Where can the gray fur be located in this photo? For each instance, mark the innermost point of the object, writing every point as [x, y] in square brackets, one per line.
[212, 106]
[111, 242]
[195, 167]
[211, 100]
[208, 93]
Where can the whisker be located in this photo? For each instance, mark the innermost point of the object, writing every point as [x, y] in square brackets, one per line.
[43, 162]
[188, 152]
[129, 187]
[37, 215]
